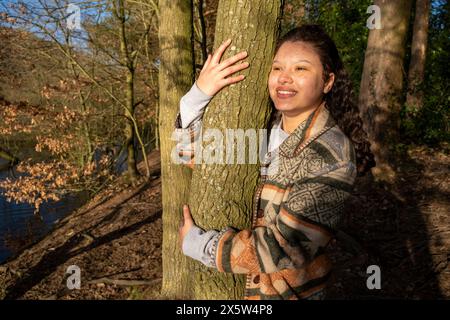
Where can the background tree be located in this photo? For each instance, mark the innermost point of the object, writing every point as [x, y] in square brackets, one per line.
[128, 60]
[414, 97]
[176, 76]
[380, 97]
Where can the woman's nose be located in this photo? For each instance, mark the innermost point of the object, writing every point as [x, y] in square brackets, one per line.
[284, 78]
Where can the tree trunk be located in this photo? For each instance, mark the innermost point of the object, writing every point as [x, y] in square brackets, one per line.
[201, 19]
[127, 62]
[222, 195]
[176, 76]
[129, 128]
[381, 84]
[414, 98]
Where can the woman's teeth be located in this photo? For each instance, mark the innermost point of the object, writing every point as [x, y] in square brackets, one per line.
[283, 93]
[286, 92]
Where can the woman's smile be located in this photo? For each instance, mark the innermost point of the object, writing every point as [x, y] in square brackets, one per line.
[285, 93]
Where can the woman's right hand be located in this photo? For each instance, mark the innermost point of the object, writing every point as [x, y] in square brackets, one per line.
[215, 74]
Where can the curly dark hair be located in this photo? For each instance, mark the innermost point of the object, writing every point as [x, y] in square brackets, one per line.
[340, 99]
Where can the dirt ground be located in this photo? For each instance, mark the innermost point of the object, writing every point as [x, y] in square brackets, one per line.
[116, 241]
[405, 231]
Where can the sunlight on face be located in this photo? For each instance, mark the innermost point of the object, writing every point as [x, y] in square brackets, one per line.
[296, 79]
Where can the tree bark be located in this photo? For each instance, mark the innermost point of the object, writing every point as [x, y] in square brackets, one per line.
[127, 62]
[222, 195]
[201, 18]
[381, 84]
[176, 76]
[414, 97]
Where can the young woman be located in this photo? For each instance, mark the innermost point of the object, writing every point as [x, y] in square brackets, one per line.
[318, 138]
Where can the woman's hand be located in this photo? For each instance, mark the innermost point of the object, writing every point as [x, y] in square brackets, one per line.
[188, 223]
[213, 76]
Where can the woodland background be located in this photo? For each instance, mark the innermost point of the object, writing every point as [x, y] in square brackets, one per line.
[90, 110]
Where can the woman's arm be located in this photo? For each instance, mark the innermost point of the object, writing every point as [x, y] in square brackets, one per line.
[192, 106]
[214, 76]
[301, 228]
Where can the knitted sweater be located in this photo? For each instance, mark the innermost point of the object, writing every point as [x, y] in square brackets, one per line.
[296, 209]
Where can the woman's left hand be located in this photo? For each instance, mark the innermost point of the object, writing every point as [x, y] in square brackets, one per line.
[188, 223]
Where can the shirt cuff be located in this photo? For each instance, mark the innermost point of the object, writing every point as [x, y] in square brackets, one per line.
[199, 244]
[192, 105]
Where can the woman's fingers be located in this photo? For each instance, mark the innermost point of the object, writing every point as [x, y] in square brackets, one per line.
[231, 80]
[232, 60]
[207, 62]
[213, 76]
[219, 52]
[185, 225]
[187, 215]
[233, 69]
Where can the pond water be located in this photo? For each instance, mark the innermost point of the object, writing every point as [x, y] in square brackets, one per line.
[19, 225]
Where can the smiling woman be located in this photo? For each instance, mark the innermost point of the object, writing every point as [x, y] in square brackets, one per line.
[296, 83]
[318, 146]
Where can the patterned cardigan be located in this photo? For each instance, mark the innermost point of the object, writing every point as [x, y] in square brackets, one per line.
[296, 210]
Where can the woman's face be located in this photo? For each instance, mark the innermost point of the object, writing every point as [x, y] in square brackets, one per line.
[296, 79]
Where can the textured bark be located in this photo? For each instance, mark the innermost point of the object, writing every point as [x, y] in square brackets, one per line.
[222, 195]
[416, 72]
[176, 75]
[381, 84]
[129, 132]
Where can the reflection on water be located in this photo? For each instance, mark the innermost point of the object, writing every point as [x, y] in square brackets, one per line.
[19, 227]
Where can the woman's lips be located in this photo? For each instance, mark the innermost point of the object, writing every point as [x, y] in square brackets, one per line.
[283, 94]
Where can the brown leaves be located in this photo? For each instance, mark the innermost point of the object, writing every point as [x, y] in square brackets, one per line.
[17, 119]
[36, 187]
[57, 146]
[60, 134]
[46, 92]
[44, 181]
[40, 183]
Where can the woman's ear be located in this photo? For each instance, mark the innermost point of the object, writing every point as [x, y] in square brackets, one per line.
[329, 83]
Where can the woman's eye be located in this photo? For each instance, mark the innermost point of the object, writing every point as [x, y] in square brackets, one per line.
[300, 68]
[275, 68]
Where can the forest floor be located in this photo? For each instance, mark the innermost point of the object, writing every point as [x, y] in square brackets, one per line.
[116, 239]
